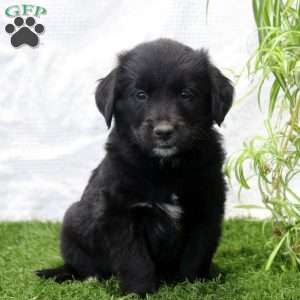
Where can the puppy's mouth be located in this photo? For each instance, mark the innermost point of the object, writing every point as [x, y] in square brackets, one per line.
[164, 150]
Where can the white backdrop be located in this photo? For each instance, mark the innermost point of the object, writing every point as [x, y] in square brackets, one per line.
[51, 133]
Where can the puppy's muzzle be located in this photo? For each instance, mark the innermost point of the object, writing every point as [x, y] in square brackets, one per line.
[163, 131]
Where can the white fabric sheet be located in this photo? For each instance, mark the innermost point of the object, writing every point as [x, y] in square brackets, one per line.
[51, 133]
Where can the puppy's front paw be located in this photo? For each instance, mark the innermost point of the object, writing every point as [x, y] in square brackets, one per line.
[139, 288]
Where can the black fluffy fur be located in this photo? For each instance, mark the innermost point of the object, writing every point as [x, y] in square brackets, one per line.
[151, 216]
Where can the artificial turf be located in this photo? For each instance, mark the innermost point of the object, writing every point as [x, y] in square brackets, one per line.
[238, 268]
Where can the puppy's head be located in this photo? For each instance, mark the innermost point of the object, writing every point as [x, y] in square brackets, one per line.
[164, 97]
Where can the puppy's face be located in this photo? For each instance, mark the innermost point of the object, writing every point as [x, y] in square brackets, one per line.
[166, 96]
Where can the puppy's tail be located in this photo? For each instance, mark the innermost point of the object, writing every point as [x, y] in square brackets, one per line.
[59, 274]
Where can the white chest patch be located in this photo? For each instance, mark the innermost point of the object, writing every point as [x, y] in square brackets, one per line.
[172, 210]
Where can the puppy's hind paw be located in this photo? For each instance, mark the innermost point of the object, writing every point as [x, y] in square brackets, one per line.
[59, 274]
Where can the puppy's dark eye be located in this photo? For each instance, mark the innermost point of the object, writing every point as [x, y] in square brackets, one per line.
[141, 96]
[186, 94]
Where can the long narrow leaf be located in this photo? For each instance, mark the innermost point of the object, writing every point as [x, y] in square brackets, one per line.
[275, 252]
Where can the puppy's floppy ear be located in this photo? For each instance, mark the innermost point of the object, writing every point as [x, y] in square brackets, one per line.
[221, 95]
[105, 96]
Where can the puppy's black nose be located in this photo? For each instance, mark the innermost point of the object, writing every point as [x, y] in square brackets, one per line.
[163, 131]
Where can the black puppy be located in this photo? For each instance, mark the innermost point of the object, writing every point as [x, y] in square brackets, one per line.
[152, 211]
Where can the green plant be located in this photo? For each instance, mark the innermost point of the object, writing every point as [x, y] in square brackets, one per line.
[273, 159]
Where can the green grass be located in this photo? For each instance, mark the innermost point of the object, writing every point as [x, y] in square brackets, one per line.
[239, 263]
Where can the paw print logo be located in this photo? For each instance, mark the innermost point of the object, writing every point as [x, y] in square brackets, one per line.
[24, 33]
